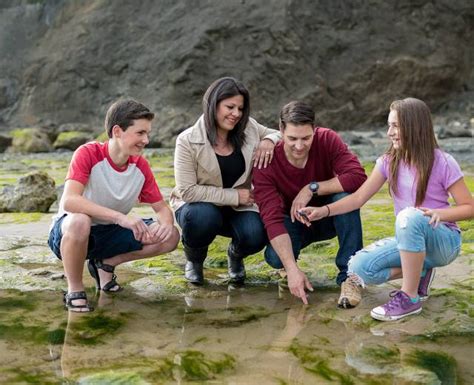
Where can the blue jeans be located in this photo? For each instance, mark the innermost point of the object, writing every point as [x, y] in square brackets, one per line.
[201, 222]
[412, 233]
[347, 228]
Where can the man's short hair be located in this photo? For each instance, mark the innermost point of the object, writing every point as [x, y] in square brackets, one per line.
[297, 113]
[124, 112]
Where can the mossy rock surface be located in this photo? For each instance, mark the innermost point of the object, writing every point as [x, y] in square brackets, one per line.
[30, 140]
[71, 140]
[34, 192]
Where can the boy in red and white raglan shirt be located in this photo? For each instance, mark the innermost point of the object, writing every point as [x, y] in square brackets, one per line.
[104, 182]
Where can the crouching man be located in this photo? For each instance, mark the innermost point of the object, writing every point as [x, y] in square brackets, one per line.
[310, 164]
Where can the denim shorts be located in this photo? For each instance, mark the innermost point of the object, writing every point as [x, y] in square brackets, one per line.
[105, 241]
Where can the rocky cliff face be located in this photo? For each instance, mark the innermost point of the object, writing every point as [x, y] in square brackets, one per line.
[66, 61]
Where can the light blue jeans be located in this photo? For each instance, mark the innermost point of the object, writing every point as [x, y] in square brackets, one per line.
[412, 233]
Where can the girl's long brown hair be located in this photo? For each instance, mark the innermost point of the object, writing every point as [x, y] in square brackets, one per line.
[417, 144]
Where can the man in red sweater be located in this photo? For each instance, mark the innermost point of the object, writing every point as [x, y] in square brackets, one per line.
[310, 166]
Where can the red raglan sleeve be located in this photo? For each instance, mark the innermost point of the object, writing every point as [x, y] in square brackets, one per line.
[81, 164]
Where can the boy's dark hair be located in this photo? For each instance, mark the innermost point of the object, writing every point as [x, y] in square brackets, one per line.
[219, 90]
[124, 112]
[297, 113]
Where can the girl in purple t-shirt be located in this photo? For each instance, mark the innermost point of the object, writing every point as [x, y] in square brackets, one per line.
[421, 177]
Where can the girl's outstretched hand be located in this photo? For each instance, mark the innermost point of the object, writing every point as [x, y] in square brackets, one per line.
[309, 214]
[434, 214]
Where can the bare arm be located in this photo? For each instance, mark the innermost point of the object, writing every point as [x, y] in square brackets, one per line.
[351, 202]
[464, 208]
[297, 280]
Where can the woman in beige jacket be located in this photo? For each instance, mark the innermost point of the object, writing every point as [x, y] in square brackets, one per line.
[213, 166]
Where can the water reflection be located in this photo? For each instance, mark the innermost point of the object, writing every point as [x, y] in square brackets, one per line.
[251, 335]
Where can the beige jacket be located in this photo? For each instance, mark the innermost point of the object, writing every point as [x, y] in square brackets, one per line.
[197, 173]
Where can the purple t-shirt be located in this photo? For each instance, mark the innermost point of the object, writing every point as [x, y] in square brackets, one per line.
[445, 173]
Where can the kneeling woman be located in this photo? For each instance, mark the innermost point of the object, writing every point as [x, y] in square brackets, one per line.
[213, 166]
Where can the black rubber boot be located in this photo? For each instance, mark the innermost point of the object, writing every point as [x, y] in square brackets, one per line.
[193, 270]
[235, 266]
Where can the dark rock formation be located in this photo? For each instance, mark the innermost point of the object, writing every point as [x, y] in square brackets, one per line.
[66, 61]
[35, 192]
[5, 142]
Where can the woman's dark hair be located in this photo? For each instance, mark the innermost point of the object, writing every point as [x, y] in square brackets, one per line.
[219, 90]
[124, 112]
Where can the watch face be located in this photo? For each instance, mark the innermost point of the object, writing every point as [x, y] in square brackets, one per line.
[314, 186]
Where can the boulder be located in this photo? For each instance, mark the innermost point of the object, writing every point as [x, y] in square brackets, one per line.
[353, 139]
[29, 140]
[34, 192]
[5, 142]
[455, 129]
[71, 140]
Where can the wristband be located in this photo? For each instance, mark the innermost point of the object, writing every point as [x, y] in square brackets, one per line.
[329, 211]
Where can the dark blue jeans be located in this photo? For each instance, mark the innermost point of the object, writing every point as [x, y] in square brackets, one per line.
[347, 228]
[201, 222]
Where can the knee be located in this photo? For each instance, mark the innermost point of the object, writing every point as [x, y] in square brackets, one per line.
[272, 258]
[200, 217]
[252, 242]
[410, 220]
[171, 243]
[78, 226]
[167, 246]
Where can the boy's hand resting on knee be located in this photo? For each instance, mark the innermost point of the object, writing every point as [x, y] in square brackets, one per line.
[159, 233]
[139, 228]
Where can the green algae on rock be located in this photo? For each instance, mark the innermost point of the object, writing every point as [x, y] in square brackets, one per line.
[443, 365]
[26, 140]
[313, 361]
[71, 140]
[234, 316]
[195, 366]
[96, 327]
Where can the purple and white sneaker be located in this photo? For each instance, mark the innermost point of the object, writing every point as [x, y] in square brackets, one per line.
[425, 284]
[398, 307]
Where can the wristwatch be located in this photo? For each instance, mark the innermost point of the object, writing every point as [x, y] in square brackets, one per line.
[314, 187]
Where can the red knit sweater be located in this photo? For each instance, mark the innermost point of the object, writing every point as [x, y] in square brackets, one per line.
[276, 186]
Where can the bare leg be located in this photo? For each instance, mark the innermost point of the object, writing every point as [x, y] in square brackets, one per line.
[76, 230]
[412, 265]
[147, 252]
[396, 273]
